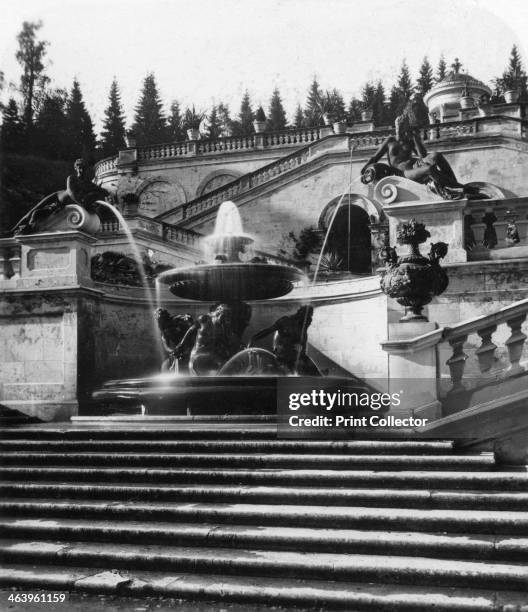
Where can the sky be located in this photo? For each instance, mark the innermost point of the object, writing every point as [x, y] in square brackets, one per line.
[205, 51]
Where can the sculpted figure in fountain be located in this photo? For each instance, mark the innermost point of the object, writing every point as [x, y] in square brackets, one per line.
[290, 340]
[172, 329]
[214, 338]
[408, 157]
[79, 190]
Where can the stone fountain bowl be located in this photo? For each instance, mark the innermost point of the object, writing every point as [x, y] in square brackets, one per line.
[228, 282]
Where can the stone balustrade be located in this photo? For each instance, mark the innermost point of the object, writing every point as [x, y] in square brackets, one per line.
[490, 365]
[211, 200]
[366, 140]
[497, 229]
[105, 166]
[165, 231]
[173, 234]
[473, 358]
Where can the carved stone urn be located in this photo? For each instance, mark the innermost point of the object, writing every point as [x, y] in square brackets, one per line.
[412, 279]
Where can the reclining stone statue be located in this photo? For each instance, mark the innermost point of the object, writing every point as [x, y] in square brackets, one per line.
[408, 157]
[79, 190]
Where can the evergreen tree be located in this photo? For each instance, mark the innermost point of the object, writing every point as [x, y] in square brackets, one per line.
[113, 134]
[395, 104]
[400, 93]
[224, 118]
[51, 127]
[312, 112]
[425, 77]
[298, 120]
[176, 133]
[379, 105]
[514, 77]
[12, 128]
[149, 124]
[367, 95]
[338, 111]
[244, 125]
[404, 81]
[441, 69]
[276, 113]
[80, 137]
[354, 110]
[214, 130]
[30, 56]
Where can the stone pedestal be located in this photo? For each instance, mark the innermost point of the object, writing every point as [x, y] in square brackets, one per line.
[412, 368]
[55, 259]
[404, 200]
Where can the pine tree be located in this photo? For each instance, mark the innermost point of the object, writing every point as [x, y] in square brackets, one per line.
[113, 134]
[394, 107]
[354, 109]
[175, 131]
[244, 125]
[441, 69]
[367, 95]
[276, 113]
[149, 124]
[404, 81]
[425, 77]
[298, 120]
[400, 93]
[12, 128]
[338, 111]
[224, 118]
[214, 130]
[80, 137]
[30, 56]
[514, 77]
[379, 105]
[312, 113]
[51, 127]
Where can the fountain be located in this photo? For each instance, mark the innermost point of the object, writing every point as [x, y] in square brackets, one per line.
[209, 369]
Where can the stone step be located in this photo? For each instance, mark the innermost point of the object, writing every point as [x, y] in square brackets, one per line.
[354, 447]
[254, 460]
[388, 497]
[303, 594]
[318, 566]
[349, 517]
[144, 430]
[414, 479]
[406, 543]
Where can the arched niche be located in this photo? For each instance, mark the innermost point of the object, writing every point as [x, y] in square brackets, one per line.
[216, 179]
[348, 223]
[158, 195]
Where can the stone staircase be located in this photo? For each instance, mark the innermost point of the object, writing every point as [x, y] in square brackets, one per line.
[224, 511]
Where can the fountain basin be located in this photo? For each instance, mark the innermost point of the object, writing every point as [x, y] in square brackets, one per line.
[169, 394]
[228, 282]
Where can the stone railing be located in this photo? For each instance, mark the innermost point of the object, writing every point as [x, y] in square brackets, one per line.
[369, 139]
[497, 224]
[490, 365]
[165, 231]
[211, 200]
[108, 164]
[468, 356]
[165, 150]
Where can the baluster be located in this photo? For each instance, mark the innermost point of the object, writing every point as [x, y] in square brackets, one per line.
[486, 351]
[515, 343]
[457, 362]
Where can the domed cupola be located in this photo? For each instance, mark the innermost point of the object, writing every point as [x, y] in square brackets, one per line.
[455, 92]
